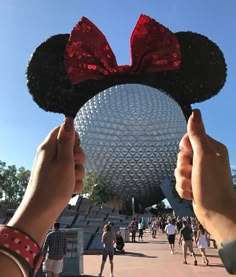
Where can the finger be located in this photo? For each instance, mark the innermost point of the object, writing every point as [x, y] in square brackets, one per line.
[50, 139]
[46, 151]
[79, 171]
[48, 146]
[184, 171]
[183, 160]
[196, 133]
[77, 139]
[182, 182]
[183, 185]
[79, 156]
[185, 146]
[79, 186]
[185, 194]
[66, 140]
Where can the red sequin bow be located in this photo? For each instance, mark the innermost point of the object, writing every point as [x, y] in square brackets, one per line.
[88, 55]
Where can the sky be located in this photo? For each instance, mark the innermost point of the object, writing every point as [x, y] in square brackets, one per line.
[25, 24]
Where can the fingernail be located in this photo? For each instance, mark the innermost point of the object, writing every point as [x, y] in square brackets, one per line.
[69, 124]
[197, 117]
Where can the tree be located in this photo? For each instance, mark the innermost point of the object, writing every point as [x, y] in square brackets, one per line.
[158, 209]
[13, 183]
[89, 180]
[96, 189]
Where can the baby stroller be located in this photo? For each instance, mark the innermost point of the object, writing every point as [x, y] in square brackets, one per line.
[120, 244]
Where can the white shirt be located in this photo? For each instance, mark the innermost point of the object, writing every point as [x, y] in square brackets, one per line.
[170, 229]
[140, 226]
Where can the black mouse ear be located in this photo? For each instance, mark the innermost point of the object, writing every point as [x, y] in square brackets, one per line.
[47, 78]
[202, 71]
[203, 67]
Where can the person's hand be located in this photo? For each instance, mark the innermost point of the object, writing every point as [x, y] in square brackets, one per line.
[58, 168]
[57, 173]
[203, 175]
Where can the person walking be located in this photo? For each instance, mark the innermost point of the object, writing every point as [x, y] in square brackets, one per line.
[108, 240]
[171, 230]
[179, 224]
[154, 228]
[133, 228]
[140, 230]
[187, 234]
[202, 243]
[194, 227]
[54, 250]
[144, 223]
[162, 224]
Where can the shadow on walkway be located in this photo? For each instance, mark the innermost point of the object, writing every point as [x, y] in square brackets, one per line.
[212, 256]
[158, 242]
[135, 254]
[210, 265]
[215, 265]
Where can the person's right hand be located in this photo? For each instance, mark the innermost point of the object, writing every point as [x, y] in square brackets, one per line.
[203, 175]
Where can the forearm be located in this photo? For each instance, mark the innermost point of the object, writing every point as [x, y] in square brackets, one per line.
[35, 224]
[34, 221]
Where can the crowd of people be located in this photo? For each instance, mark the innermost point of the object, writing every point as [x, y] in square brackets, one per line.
[188, 229]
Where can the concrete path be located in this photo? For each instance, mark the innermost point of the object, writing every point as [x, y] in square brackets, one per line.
[152, 258]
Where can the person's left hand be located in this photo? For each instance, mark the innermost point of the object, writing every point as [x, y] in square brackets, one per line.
[58, 168]
[57, 173]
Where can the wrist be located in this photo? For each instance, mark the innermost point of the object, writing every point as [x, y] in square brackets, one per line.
[226, 232]
[34, 221]
[227, 255]
[20, 248]
[222, 226]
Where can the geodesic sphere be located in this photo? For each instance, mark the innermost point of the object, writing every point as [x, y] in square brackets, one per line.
[130, 134]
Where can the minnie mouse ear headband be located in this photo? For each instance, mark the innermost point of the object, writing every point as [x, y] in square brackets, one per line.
[66, 70]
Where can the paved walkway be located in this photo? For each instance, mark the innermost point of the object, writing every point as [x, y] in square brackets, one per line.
[152, 258]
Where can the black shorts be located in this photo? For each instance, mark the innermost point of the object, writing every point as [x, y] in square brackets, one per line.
[140, 231]
[171, 239]
[106, 253]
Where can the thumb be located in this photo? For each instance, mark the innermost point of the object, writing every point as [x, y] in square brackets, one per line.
[196, 132]
[66, 139]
